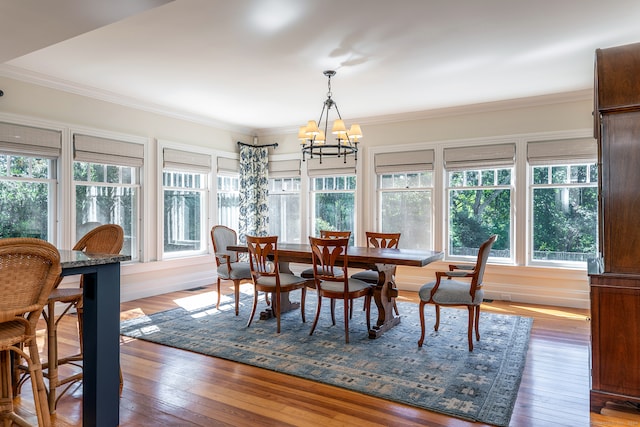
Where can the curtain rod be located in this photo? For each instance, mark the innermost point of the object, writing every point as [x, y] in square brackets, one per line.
[274, 145]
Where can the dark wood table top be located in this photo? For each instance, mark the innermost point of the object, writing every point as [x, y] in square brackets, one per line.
[359, 256]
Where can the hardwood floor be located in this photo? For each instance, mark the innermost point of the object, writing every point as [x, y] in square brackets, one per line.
[164, 386]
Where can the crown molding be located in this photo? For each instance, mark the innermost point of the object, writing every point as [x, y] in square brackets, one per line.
[484, 107]
[39, 79]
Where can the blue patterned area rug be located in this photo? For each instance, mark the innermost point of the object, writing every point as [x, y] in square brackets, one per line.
[443, 376]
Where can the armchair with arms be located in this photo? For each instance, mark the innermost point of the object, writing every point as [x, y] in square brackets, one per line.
[449, 292]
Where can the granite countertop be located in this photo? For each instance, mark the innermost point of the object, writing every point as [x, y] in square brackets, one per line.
[70, 259]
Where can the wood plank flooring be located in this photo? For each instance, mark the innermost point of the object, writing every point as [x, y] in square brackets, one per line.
[169, 387]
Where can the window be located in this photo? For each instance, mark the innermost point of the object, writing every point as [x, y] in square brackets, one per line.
[564, 201]
[28, 178]
[405, 191]
[480, 199]
[284, 209]
[333, 204]
[27, 196]
[184, 187]
[479, 206]
[184, 204]
[106, 177]
[405, 207]
[108, 194]
[565, 212]
[229, 201]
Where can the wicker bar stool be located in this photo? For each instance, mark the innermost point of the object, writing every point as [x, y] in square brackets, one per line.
[29, 270]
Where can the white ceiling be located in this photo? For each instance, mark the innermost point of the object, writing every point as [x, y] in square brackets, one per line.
[258, 64]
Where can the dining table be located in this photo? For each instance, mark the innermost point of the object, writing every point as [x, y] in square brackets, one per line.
[101, 333]
[382, 260]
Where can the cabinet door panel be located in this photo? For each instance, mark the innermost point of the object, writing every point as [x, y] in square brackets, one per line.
[616, 324]
[621, 192]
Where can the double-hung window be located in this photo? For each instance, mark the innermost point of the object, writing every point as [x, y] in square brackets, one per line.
[333, 195]
[228, 192]
[405, 194]
[564, 201]
[480, 199]
[106, 180]
[184, 187]
[284, 200]
[28, 177]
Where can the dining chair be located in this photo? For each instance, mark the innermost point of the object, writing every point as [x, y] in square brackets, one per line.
[265, 272]
[330, 272]
[29, 270]
[380, 240]
[229, 266]
[307, 273]
[103, 239]
[450, 292]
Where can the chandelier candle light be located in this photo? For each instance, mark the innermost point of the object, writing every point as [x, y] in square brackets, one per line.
[313, 140]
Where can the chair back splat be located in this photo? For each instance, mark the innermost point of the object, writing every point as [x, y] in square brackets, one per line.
[454, 292]
[307, 273]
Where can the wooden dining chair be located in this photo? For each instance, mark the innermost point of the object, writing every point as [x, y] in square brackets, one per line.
[265, 272]
[307, 273]
[330, 272]
[229, 266]
[29, 270]
[450, 292]
[380, 240]
[103, 239]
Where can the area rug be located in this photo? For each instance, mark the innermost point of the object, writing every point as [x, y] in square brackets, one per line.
[442, 376]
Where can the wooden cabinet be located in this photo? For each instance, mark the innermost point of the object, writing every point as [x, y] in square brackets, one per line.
[615, 292]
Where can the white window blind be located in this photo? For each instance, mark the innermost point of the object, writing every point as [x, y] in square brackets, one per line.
[331, 166]
[404, 161]
[226, 164]
[284, 168]
[186, 161]
[31, 141]
[94, 149]
[480, 156]
[576, 150]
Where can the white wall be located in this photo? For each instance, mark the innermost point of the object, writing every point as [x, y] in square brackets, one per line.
[558, 114]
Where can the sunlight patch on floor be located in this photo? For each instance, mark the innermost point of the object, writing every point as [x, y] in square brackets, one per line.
[201, 300]
[553, 312]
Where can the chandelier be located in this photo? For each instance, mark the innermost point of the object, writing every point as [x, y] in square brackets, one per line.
[313, 136]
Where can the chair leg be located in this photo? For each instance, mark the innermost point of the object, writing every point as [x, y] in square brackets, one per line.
[315, 321]
[367, 301]
[477, 322]
[37, 381]
[437, 325]
[218, 291]
[347, 306]
[253, 308]
[421, 313]
[52, 356]
[303, 298]
[333, 311]
[276, 309]
[236, 295]
[470, 330]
